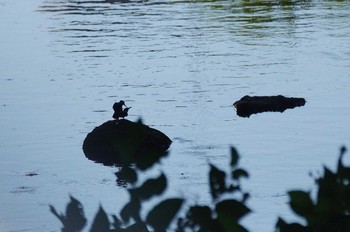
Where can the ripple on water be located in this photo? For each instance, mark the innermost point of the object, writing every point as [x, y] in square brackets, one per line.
[181, 64]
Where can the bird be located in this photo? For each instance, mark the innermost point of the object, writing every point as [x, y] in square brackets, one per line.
[118, 109]
[118, 106]
[124, 113]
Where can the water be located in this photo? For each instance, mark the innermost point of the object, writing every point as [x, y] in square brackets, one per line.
[180, 65]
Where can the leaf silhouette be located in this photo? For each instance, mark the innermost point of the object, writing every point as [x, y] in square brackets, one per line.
[343, 171]
[231, 210]
[116, 222]
[301, 203]
[61, 217]
[282, 226]
[101, 222]
[238, 173]
[162, 214]
[216, 181]
[146, 159]
[151, 187]
[137, 227]
[131, 210]
[234, 157]
[127, 174]
[74, 220]
[75, 215]
[201, 215]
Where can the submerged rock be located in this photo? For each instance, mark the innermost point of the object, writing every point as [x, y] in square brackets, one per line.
[119, 142]
[248, 105]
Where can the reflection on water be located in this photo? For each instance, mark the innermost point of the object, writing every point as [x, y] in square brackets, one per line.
[181, 65]
[95, 26]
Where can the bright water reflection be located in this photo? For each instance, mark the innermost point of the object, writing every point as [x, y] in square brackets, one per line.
[180, 65]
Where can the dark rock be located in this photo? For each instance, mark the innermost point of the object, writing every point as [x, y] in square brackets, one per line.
[248, 105]
[122, 142]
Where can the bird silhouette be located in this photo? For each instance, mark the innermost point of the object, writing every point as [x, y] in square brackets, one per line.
[124, 113]
[118, 109]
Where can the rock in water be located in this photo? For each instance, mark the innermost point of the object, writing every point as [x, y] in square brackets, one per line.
[248, 105]
[122, 142]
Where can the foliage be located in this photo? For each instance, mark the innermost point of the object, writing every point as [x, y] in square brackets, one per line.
[330, 211]
[74, 220]
[223, 215]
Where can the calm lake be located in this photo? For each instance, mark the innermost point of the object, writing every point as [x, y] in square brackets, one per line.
[180, 65]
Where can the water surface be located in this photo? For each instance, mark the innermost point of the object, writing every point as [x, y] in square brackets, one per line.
[180, 65]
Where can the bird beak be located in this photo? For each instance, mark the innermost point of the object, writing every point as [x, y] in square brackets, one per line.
[124, 105]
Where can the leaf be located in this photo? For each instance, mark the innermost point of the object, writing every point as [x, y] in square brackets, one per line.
[238, 173]
[301, 203]
[146, 159]
[343, 150]
[216, 181]
[127, 174]
[116, 222]
[137, 227]
[75, 219]
[131, 210]
[343, 172]
[162, 214]
[200, 215]
[282, 226]
[61, 217]
[234, 157]
[101, 222]
[231, 210]
[245, 197]
[151, 187]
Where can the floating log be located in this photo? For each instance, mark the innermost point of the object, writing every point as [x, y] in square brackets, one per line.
[249, 105]
[122, 142]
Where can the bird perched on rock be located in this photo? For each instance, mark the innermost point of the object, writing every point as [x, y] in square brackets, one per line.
[124, 113]
[118, 109]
